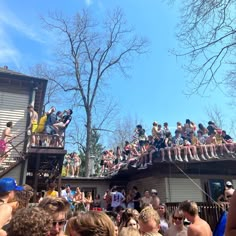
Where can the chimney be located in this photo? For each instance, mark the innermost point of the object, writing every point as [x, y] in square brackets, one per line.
[5, 67]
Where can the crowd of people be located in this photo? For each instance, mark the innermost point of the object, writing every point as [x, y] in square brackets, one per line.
[77, 199]
[189, 142]
[124, 215]
[50, 123]
[71, 164]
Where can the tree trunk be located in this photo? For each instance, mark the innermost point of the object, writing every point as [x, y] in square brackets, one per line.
[88, 143]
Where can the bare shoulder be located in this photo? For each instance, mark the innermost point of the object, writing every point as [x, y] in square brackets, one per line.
[200, 229]
[7, 130]
[207, 228]
[3, 233]
[6, 217]
[194, 230]
[6, 208]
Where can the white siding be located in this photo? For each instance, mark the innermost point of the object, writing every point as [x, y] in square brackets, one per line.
[180, 189]
[233, 182]
[13, 107]
[14, 173]
[100, 187]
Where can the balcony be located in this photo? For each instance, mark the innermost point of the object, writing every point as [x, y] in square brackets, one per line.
[47, 144]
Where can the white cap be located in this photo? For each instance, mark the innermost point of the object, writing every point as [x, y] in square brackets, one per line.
[228, 183]
[153, 191]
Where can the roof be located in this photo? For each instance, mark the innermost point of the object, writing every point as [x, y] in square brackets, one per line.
[6, 71]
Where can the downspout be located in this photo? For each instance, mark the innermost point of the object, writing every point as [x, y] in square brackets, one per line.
[24, 164]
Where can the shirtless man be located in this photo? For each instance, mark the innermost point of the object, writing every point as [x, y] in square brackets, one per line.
[146, 199]
[6, 136]
[198, 226]
[155, 202]
[33, 123]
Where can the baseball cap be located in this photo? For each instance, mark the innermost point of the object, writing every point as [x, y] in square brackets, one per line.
[153, 191]
[9, 184]
[228, 184]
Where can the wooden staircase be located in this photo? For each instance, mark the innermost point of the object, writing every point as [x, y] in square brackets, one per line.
[13, 156]
[45, 160]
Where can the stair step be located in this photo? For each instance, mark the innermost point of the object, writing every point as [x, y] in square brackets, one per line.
[9, 161]
[4, 166]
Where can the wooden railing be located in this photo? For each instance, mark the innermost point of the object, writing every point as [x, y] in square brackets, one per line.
[48, 141]
[210, 212]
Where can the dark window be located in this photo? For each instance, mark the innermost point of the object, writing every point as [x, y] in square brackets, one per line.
[216, 188]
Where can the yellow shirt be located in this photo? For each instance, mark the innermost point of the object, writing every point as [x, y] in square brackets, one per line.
[219, 139]
[154, 131]
[51, 193]
[194, 140]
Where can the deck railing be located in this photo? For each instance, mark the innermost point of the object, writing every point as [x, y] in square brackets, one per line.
[48, 141]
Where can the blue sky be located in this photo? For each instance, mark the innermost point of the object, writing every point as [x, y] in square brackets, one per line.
[155, 88]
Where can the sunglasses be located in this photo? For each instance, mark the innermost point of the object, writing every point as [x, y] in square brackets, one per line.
[60, 223]
[134, 224]
[229, 196]
[179, 218]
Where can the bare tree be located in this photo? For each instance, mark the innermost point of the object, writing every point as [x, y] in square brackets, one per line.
[207, 32]
[43, 71]
[215, 115]
[231, 83]
[221, 120]
[88, 53]
[232, 128]
[123, 131]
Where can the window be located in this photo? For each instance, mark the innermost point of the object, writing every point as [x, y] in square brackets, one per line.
[216, 188]
[87, 189]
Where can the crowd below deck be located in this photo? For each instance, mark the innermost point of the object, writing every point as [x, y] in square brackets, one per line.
[126, 213]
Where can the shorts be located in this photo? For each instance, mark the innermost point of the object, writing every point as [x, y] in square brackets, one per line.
[34, 126]
[3, 146]
[141, 143]
[49, 130]
[72, 163]
[77, 164]
[102, 163]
